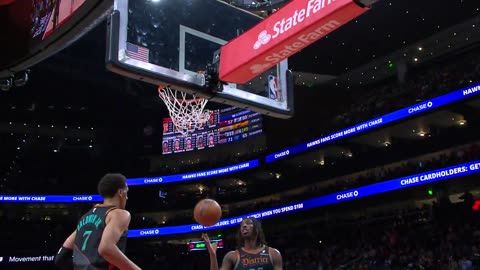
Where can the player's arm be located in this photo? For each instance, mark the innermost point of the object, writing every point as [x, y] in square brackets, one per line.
[63, 259]
[276, 259]
[117, 223]
[228, 261]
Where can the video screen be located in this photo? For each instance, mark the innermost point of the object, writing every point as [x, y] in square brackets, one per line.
[29, 24]
[45, 18]
[223, 126]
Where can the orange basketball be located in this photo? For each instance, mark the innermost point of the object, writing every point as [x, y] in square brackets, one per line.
[207, 212]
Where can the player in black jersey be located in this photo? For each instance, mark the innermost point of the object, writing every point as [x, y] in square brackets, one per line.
[99, 241]
[252, 253]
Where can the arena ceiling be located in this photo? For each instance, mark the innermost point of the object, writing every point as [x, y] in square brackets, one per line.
[389, 26]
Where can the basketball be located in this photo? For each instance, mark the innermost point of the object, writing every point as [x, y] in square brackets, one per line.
[207, 212]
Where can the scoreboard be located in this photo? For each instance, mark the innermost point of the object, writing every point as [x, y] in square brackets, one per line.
[224, 126]
[201, 245]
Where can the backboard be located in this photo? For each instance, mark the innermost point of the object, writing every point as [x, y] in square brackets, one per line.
[167, 42]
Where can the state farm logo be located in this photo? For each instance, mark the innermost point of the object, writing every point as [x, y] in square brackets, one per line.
[263, 38]
[258, 68]
[294, 19]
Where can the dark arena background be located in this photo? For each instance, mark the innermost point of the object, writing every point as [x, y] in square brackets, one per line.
[377, 169]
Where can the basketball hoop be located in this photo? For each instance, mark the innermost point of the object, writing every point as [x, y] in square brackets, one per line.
[187, 114]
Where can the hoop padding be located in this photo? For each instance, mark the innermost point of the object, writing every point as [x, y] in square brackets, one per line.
[187, 114]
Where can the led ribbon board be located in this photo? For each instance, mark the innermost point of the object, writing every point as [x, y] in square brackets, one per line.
[131, 182]
[193, 176]
[6, 198]
[395, 184]
[378, 122]
[387, 186]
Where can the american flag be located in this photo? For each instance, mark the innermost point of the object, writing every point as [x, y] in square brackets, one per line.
[137, 52]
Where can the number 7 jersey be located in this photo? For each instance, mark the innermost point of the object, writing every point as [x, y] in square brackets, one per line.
[89, 233]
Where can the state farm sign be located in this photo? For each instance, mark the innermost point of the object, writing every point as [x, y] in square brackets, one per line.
[287, 31]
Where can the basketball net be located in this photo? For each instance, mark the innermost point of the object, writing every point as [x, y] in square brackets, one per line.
[187, 114]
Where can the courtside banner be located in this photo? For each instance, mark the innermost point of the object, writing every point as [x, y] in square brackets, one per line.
[281, 35]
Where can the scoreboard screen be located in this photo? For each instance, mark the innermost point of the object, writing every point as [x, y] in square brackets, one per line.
[200, 245]
[224, 126]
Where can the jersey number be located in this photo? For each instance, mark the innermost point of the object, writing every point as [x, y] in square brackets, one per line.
[86, 235]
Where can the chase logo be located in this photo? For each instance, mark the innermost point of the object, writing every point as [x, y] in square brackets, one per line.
[263, 38]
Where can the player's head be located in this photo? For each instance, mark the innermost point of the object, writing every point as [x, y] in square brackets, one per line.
[211, 118]
[113, 186]
[251, 229]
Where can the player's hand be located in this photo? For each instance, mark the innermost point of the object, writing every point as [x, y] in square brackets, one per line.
[212, 248]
